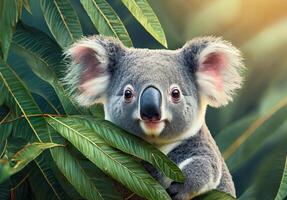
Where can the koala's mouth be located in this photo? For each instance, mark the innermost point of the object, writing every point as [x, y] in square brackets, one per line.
[152, 128]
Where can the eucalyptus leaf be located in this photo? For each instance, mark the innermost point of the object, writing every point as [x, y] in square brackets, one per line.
[282, 192]
[27, 6]
[2, 99]
[44, 58]
[5, 132]
[106, 20]
[20, 97]
[142, 11]
[5, 190]
[46, 186]
[134, 145]
[214, 195]
[22, 158]
[120, 166]
[8, 18]
[76, 175]
[62, 21]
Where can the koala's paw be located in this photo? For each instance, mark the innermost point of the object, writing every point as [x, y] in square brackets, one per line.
[179, 191]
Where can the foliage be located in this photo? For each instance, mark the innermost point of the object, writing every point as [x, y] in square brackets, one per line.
[22, 158]
[84, 153]
[214, 195]
[282, 192]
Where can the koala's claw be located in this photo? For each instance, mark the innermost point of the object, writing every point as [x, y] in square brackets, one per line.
[180, 191]
[176, 191]
[173, 189]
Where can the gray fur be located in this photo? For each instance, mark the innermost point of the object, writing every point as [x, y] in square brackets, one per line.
[191, 145]
[208, 165]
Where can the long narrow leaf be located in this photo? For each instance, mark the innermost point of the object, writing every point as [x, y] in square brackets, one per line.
[27, 6]
[76, 175]
[2, 99]
[214, 195]
[44, 58]
[18, 95]
[282, 192]
[142, 11]
[8, 19]
[131, 144]
[5, 190]
[119, 165]
[104, 183]
[5, 131]
[62, 21]
[45, 184]
[22, 158]
[106, 20]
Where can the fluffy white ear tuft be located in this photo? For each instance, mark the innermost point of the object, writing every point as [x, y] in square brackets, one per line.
[218, 73]
[87, 76]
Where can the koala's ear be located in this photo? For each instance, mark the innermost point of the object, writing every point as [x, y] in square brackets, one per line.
[90, 63]
[217, 66]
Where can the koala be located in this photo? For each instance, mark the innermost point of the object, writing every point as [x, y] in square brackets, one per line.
[162, 96]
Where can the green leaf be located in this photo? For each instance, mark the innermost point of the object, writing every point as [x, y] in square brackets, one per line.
[118, 165]
[2, 99]
[131, 144]
[45, 184]
[19, 7]
[106, 20]
[76, 175]
[49, 107]
[8, 19]
[19, 186]
[27, 6]
[105, 184]
[142, 11]
[15, 144]
[282, 192]
[3, 147]
[22, 158]
[97, 111]
[214, 195]
[62, 21]
[18, 95]
[5, 131]
[26, 44]
[23, 190]
[30, 152]
[5, 190]
[43, 55]
[248, 194]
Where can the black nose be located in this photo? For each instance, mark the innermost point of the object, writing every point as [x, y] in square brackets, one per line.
[150, 103]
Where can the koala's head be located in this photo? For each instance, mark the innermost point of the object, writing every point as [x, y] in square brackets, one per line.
[159, 95]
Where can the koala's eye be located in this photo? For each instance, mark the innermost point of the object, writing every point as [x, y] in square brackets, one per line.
[128, 95]
[175, 95]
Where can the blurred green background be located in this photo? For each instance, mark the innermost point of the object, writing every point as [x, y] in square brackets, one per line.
[252, 130]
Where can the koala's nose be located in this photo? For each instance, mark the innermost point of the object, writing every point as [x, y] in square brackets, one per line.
[150, 103]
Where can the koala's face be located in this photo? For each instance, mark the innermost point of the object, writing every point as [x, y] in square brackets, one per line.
[159, 95]
[152, 95]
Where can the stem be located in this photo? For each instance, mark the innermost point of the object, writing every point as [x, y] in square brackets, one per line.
[34, 115]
